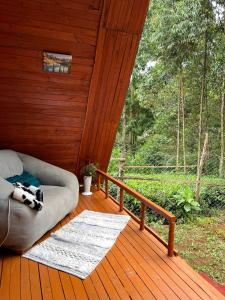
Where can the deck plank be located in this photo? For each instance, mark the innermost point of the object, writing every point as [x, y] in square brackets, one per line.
[35, 285]
[25, 280]
[99, 286]
[79, 289]
[15, 279]
[5, 278]
[137, 267]
[90, 289]
[115, 280]
[67, 286]
[45, 283]
[57, 289]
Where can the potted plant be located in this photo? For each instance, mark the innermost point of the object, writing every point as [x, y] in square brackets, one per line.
[88, 172]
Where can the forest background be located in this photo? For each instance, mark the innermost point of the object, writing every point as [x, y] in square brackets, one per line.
[173, 123]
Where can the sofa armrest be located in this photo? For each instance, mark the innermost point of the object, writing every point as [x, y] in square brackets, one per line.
[49, 174]
[6, 188]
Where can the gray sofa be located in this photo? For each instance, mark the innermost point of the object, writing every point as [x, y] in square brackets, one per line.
[60, 189]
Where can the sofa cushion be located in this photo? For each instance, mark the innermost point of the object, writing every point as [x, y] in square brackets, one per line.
[10, 164]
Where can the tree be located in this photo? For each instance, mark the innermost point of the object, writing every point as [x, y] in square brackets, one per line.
[221, 166]
[200, 167]
[183, 120]
[174, 96]
[202, 97]
[178, 132]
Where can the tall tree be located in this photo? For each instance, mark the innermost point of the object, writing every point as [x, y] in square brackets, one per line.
[178, 128]
[202, 97]
[221, 167]
[200, 168]
[183, 121]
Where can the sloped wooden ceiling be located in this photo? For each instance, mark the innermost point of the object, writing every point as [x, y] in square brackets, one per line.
[66, 119]
[119, 34]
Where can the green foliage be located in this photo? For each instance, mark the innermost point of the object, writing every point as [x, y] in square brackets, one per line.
[175, 198]
[113, 164]
[213, 197]
[89, 170]
[152, 152]
[185, 204]
[164, 55]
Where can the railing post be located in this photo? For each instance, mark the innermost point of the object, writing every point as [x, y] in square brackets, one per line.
[106, 188]
[121, 199]
[171, 238]
[142, 217]
[99, 182]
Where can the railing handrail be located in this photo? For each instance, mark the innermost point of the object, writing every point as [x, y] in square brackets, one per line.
[161, 211]
[144, 203]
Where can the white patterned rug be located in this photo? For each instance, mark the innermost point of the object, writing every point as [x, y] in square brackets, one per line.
[80, 245]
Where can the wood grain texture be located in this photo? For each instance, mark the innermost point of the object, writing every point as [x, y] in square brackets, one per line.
[66, 119]
[137, 267]
[118, 39]
[41, 113]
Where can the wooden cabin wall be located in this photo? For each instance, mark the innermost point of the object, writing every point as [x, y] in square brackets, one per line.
[66, 119]
[43, 113]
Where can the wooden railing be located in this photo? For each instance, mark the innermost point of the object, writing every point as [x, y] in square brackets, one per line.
[144, 202]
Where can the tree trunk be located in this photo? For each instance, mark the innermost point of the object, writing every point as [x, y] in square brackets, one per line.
[221, 166]
[202, 98]
[183, 122]
[199, 172]
[122, 150]
[130, 134]
[178, 128]
[130, 139]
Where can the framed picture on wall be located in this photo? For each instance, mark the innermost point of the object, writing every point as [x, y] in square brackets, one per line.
[57, 62]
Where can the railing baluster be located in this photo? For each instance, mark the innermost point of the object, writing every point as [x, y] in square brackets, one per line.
[142, 217]
[106, 188]
[171, 238]
[121, 199]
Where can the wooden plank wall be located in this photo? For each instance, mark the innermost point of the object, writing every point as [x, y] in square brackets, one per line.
[66, 119]
[118, 39]
[43, 113]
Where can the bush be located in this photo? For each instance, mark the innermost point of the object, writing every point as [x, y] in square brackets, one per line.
[213, 197]
[153, 152]
[184, 204]
[175, 198]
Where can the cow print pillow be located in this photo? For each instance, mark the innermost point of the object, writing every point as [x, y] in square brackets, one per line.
[29, 195]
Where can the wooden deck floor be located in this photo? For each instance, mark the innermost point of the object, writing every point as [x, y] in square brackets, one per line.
[137, 267]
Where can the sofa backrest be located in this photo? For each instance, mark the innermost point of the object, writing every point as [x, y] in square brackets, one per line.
[10, 164]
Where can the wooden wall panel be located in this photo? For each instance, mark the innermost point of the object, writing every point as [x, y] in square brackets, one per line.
[66, 119]
[43, 113]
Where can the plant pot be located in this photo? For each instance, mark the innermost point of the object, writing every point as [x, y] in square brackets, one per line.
[87, 186]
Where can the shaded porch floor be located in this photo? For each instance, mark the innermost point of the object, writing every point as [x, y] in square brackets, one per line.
[137, 267]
